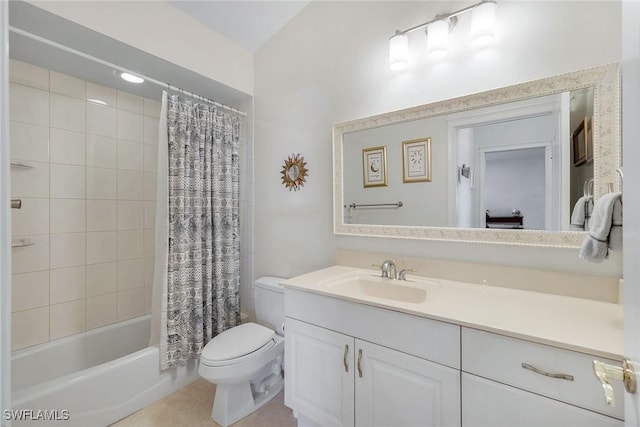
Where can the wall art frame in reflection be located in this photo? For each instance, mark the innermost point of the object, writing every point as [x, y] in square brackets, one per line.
[416, 160]
[588, 139]
[374, 166]
[580, 143]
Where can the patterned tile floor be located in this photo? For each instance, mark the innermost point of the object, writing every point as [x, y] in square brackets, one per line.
[191, 407]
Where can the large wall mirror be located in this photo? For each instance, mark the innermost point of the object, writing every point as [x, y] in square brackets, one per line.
[504, 166]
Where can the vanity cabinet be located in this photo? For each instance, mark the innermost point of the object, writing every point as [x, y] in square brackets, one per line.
[350, 364]
[319, 382]
[353, 364]
[508, 381]
[338, 380]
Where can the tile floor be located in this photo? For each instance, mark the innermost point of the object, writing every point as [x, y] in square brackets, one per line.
[191, 407]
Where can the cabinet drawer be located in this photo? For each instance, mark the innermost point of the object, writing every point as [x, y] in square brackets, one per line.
[490, 404]
[501, 359]
[425, 338]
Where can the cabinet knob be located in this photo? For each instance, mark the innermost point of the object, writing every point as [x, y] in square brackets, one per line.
[606, 373]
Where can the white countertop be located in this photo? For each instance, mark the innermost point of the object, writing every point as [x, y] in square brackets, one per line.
[578, 324]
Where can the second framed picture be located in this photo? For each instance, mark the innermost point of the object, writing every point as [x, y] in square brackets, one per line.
[416, 160]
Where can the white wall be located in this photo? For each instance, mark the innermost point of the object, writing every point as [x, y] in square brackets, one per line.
[515, 180]
[166, 32]
[329, 64]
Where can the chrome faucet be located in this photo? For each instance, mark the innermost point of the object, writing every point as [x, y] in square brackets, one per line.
[388, 269]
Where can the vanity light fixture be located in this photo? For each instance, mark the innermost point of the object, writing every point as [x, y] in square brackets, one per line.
[131, 78]
[437, 38]
[483, 20]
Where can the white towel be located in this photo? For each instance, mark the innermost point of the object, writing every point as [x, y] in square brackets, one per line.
[595, 247]
[615, 235]
[581, 215]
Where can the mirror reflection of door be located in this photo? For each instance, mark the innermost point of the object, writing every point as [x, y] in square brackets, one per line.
[515, 161]
[515, 188]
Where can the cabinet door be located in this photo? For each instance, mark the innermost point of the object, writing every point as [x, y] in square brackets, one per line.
[394, 389]
[319, 374]
[486, 403]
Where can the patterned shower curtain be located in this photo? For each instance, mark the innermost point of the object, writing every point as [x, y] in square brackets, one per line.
[203, 268]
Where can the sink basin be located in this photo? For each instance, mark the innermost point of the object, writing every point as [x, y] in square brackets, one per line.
[377, 287]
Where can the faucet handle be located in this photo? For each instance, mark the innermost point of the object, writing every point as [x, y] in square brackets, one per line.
[402, 275]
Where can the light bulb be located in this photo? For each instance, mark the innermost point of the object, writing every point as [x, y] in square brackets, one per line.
[398, 51]
[437, 39]
[131, 78]
[483, 22]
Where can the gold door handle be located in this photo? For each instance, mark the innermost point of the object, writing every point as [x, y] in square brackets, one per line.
[360, 362]
[605, 373]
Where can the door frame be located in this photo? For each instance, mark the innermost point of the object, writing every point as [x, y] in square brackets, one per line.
[551, 104]
[630, 71]
[5, 220]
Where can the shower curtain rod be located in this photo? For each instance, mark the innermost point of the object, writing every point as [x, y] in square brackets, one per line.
[120, 69]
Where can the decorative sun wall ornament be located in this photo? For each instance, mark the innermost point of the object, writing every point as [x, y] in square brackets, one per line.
[294, 172]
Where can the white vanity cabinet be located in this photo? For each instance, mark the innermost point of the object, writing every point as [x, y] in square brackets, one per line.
[336, 377]
[319, 382]
[512, 382]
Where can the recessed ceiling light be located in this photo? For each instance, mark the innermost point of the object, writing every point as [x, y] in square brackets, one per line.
[131, 78]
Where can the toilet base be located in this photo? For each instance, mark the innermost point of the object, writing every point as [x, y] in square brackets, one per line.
[234, 402]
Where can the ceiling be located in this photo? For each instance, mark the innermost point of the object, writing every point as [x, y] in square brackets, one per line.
[26, 17]
[247, 22]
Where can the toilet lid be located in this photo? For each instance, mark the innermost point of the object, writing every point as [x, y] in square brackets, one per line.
[237, 342]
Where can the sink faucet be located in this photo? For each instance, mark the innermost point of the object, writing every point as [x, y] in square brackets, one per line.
[388, 269]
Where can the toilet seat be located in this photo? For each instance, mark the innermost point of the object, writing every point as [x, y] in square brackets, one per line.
[237, 344]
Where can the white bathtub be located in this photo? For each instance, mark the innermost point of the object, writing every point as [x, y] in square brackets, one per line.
[98, 376]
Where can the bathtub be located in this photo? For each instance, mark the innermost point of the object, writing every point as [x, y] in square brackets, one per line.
[92, 379]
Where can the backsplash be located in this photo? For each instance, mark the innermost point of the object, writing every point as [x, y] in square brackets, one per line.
[601, 288]
[88, 204]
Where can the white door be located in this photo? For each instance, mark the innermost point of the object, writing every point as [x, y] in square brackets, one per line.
[394, 389]
[319, 374]
[631, 199]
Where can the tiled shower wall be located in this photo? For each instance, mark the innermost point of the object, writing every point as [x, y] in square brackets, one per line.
[88, 204]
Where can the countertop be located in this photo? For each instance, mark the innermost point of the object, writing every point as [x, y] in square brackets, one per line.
[583, 325]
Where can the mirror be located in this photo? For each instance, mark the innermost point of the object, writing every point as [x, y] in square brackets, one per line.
[294, 172]
[502, 163]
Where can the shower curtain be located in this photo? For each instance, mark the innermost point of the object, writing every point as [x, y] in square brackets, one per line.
[197, 266]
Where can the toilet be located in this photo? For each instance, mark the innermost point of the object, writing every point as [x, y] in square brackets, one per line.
[246, 362]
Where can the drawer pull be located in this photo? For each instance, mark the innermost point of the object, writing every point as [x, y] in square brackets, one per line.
[344, 358]
[360, 362]
[547, 374]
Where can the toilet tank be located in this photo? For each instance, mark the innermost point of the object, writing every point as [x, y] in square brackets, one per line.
[268, 298]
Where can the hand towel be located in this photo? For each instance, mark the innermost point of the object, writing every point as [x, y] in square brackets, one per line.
[581, 214]
[615, 235]
[595, 247]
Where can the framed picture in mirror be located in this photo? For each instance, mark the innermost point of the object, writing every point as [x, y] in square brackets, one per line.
[580, 143]
[374, 166]
[588, 136]
[416, 160]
